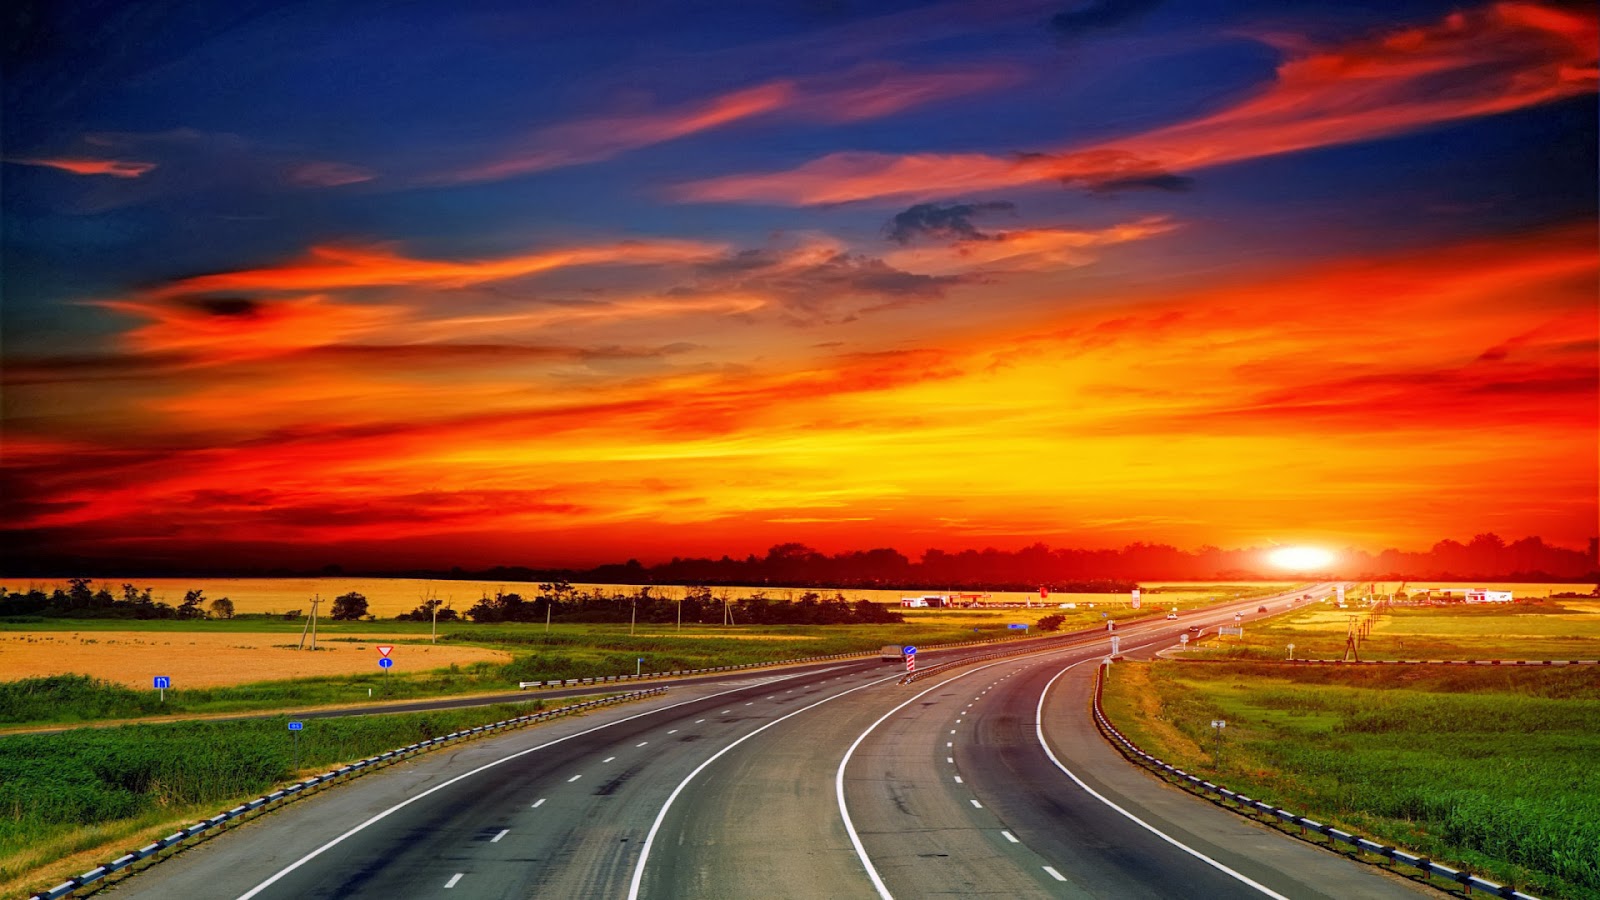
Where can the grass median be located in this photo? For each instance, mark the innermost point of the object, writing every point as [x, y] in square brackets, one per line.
[1497, 770]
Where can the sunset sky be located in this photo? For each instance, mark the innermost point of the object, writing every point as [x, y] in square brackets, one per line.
[404, 284]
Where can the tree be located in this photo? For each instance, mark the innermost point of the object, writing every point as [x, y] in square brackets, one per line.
[1051, 622]
[349, 607]
[222, 608]
[190, 607]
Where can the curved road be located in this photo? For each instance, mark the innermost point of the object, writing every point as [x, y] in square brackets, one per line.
[826, 781]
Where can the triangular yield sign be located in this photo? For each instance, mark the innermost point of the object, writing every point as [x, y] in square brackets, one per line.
[385, 649]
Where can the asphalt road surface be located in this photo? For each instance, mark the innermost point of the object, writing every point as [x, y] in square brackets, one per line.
[821, 781]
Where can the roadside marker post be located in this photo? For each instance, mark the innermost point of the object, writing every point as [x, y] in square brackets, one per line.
[911, 659]
[162, 683]
[295, 729]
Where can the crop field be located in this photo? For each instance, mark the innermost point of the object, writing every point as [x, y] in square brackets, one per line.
[211, 659]
[72, 800]
[1494, 769]
[1543, 629]
[1517, 588]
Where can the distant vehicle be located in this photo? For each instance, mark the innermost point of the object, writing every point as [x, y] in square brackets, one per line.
[1261, 609]
[893, 652]
[1067, 606]
[1195, 628]
[1172, 615]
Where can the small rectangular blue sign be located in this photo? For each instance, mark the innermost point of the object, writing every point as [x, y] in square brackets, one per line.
[1018, 627]
[163, 682]
[296, 726]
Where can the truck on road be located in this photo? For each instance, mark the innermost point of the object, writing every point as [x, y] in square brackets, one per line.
[892, 652]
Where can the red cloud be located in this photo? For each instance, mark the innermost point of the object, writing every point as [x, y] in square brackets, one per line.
[116, 168]
[1492, 60]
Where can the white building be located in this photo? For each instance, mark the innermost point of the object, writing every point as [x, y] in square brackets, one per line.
[926, 601]
[1485, 596]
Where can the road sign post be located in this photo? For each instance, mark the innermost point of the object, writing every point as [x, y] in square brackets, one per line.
[295, 729]
[162, 683]
[911, 659]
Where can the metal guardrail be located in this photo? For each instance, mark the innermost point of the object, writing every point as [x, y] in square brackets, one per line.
[302, 788]
[1248, 806]
[679, 673]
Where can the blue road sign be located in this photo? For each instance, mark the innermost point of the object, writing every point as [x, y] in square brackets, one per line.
[386, 662]
[163, 682]
[296, 726]
[1018, 627]
[910, 651]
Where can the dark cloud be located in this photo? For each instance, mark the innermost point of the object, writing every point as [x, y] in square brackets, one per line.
[1098, 15]
[226, 307]
[1161, 181]
[951, 223]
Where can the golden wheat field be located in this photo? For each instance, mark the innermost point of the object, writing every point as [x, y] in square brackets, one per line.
[1517, 589]
[201, 659]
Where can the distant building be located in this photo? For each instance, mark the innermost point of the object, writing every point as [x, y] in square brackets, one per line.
[1470, 595]
[1477, 596]
[926, 601]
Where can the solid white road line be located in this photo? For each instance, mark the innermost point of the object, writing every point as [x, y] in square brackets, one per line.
[1010, 837]
[1038, 725]
[496, 838]
[538, 803]
[483, 768]
[838, 780]
[453, 879]
[650, 838]
[1054, 874]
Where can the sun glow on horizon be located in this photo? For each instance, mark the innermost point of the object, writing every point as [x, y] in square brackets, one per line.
[1300, 559]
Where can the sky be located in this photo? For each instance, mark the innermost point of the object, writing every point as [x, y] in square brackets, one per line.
[400, 284]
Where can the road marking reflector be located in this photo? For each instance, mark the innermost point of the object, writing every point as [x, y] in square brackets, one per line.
[496, 838]
[453, 879]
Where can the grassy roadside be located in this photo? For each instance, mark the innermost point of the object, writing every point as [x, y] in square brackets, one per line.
[1534, 629]
[1497, 770]
[75, 799]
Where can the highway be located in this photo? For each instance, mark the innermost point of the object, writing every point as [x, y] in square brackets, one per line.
[822, 781]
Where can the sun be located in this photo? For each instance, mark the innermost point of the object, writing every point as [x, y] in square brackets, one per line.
[1300, 559]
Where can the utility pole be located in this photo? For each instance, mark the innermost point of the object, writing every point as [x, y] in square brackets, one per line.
[434, 635]
[681, 592]
[549, 602]
[311, 625]
[633, 614]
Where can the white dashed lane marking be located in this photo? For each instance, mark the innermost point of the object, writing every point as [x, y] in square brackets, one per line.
[538, 803]
[573, 778]
[977, 805]
[1010, 837]
[496, 838]
[453, 879]
[608, 759]
[1054, 874]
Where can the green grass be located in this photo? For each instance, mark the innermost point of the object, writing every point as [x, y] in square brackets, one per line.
[1497, 770]
[63, 793]
[1541, 629]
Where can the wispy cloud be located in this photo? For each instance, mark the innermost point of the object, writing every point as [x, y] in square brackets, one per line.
[1487, 61]
[115, 168]
[858, 94]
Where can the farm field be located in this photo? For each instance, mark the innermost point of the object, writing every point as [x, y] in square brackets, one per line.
[211, 659]
[1519, 589]
[1497, 770]
[1542, 629]
[389, 597]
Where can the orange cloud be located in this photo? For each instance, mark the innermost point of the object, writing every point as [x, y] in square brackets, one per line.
[330, 268]
[235, 329]
[1495, 59]
[1025, 249]
[116, 168]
